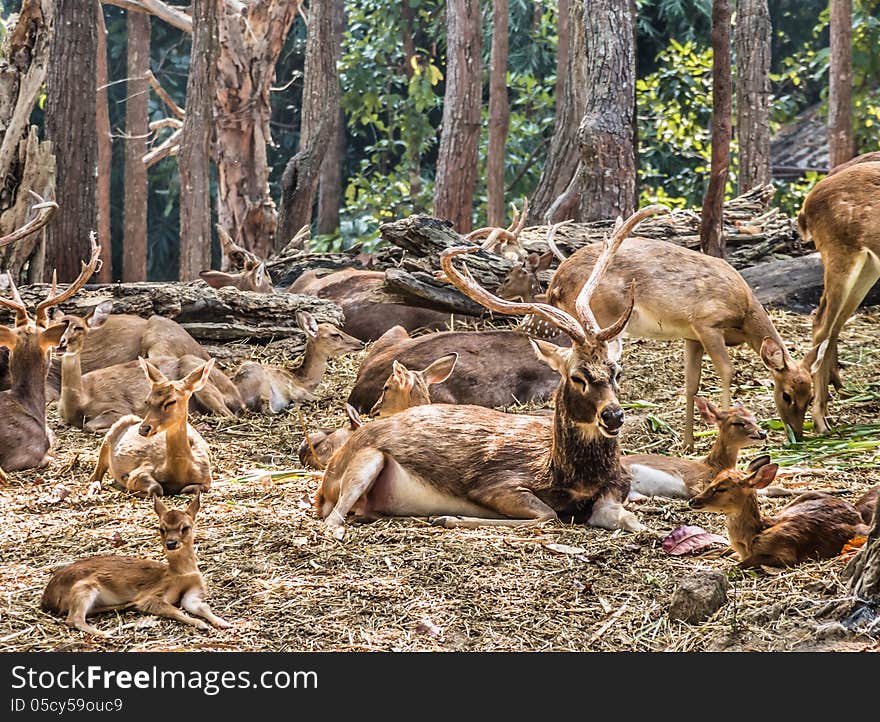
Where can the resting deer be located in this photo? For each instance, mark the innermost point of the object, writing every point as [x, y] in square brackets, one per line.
[676, 478]
[234, 257]
[404, 388]
[271, 389]
[867, 503]
[841, 214]
[114, 583]
[471, 466]
[252, 278]
[24, 437]
[159, 453]
[813, 526]
[680, 293]
[522, 283]
[317, 448]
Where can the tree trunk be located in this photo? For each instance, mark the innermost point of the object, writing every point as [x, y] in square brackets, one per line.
[330, 182]
[712, 222]
[25, 162]
[562, 158]
[456, 181]
[499, 116]
[841, 146]
[194, 157]
[864, 569]
[753, 34]
[105, 150]
[137, 118]
[605, 137]
[320, 113]
[70, 125]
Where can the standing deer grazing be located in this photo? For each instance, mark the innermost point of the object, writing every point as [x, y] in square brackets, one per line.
[471, 466]
[159, 453]
[676, 478]
[404, 388]
[813, 526]
[271, 389]
[114, 583]
[24, 438]
[685, 294]
[841, 214]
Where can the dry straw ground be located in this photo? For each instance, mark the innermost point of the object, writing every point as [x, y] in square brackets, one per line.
[405, 585]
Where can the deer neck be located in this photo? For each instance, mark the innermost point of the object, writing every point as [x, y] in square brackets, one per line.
[743, 525]
[758, 326]
[28, 370]
[721, 456]
[178, 454]
[183, 561]
[311, 370]
[72, 391]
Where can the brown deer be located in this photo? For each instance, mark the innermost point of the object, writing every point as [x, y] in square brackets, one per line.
[252, 278]
[110, 582]
[271, 389]
[472, 466]
[494, 368]
[234, 257]
[317, 448]
[867, 503]
[25, 440]
[685, 294]
[522, 283]
[669, 476]
[404, 388]
[813, 526]
[159, 453]
[841, 214]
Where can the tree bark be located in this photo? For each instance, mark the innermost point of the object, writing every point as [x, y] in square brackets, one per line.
[196, 142]
[841, 145]
[70, 125]
[712, 222]
[456, 180]
[753, 35]
[499, 116]
[606, 137]
[137, 118]
[562, 158]
[330, 182]
[320, 111]
[105, 150]
[864, 569]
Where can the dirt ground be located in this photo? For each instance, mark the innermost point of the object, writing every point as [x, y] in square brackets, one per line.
[405, 585]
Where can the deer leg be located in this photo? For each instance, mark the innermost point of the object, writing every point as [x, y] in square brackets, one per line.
[193, 603]
[102, 422]
[211, 399]
[713, 342]
[360, 474]
[520, 507]
[100, 469]
[609, 513]
[142, 483]
[3, 478]
[83, 598]
[161, 608]
[197, 488]
[693, 361]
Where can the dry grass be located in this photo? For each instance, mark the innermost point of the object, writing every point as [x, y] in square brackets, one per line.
[405, 585]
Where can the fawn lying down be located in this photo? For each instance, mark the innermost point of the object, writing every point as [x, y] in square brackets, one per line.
[112, 582]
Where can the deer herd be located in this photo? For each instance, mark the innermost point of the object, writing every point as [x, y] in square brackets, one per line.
[438, 445]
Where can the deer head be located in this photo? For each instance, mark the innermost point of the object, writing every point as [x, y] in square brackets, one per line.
[326, 340]
[74, 337]
[254, 278]
[168, 400]
[792, 382]
[175, 526]
[405, 388]
[317, 448]
[732, 490]
[738, 427]
[522, 283]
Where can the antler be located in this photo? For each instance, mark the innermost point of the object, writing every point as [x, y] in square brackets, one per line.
[551, 243]
[15, 303]
[45, 211]
[55, 298]
[465, 283]
[241, 257]
[510, 234]
[585, 314]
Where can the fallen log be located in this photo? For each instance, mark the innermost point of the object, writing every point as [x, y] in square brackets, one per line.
[419, 289]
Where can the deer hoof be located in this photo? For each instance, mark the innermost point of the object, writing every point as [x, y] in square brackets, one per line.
[95, 488]
[222, 624]
[447, 522]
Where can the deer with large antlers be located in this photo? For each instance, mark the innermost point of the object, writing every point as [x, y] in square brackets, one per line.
[685, 294]
[470, 466]
[24, 438]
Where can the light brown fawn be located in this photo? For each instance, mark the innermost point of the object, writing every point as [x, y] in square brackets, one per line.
[405, 388]
[813, 526]
[680, 293]
[676, 478]
[841, 214]
[114, 583]
[25, 440]
[251, 278]
[271, 389]
[472, 466]
[317, 448]
[159, 453]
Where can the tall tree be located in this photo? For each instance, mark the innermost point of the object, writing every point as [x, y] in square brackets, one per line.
[841, 146]
[456, 180]
[712, 239]
[320, 112]
[606, 135]
[70, 125]
[194, 156]
[330, 182]
[562, 158]
[137, 118]
[753, 35]
[864, 570]
[105, 149]
[499, 115]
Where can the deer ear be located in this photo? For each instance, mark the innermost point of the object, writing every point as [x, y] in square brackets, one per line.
[532, 261]
[51, 336]
[8, 337]
[707, 411]
[58, 315]
[354, 418]
[819, 352]
[159, 507]
[153, 374]
[216, 279]
[763, 476]
[195, 380]
[193, 507]
[100, 314]
[758, 462]
[773, 354]
[307, 323]
[615, 349]
[401, 375]
[544, 261]
[554, 356]
[440, 370]
[260, 273]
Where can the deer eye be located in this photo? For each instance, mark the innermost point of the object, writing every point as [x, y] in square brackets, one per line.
[738, 423]
[786, 397]
[162, 530]
[185, 530]
[580, 381]
[169, 404]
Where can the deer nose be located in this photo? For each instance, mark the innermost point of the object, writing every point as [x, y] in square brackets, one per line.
[145, 429]
[172, 544]
[612, 417]
[762, 434]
